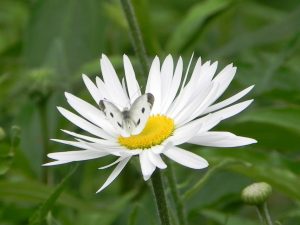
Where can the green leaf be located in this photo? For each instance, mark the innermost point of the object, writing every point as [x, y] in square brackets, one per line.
[284, 117]
[142, 10]
[287, 27]
[276, 63]
[13, 17]
[262, 166]
[40, 214]
[77, 25]
[269, 136]
[7, 149]
[201, 183]
[30, 142]
[192, 23]
[32, 192]
[222, 218]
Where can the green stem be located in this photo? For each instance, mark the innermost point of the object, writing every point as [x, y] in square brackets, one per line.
[264, 215]
[260, 215]
[136, 35]
[42, 107]
[139, 47]
[160, 197]
[180, 210]
[198, 186]
[267, 214]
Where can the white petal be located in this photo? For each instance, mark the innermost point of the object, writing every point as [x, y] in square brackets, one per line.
[187, 72]
[112, 83]
[197, 89]
[114, 174]
[113, 163]
[156, 160]
[177, 103]
[113, 149]
[77, 144]
[104, 145]
[228, 101]
[206, 101]
[221, 139]
[166, 77]
[124, 87]
[54, 163]
[185, 132]
[186, 158]
[84, 137]
[232, 110]
[78, 155]
[209, 121]
[90, 112]
[131, 152]
[225, 77]
[132, 83]
[184, 95]
[206, 74]
[195, 108]
[92, 88]
[158, 149]
[174, 86]
[102, 89]
[147, 166]
[83, 124]
[154, 85]
[99, 142]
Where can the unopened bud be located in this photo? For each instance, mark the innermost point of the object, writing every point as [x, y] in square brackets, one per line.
[256, 193]
[41, 84]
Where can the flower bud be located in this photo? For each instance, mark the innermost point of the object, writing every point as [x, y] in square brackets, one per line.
[41, 84]
[256, 193]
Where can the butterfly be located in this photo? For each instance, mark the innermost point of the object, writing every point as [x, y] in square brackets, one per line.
[130, 121]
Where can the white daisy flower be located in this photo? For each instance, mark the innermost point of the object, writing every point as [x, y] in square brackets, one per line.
[174, 110]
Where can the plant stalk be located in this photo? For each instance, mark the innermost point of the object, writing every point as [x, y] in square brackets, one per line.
[42, 108]
[180, 210]
[160, 197]
[139, 47]
[136, 36]
[264, 215]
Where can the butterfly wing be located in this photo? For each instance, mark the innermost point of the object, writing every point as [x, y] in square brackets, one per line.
[140, 112]
[113, 115]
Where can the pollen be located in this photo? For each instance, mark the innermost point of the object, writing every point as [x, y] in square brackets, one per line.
[158, 128]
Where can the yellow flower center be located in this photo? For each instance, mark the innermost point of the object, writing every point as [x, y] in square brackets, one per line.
[158, 128]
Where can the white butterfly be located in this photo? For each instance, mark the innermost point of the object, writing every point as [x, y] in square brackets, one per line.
[129, 121]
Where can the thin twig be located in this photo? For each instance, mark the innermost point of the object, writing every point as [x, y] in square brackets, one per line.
[137, 40]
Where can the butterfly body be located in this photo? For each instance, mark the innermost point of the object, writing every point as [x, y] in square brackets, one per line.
[129, 121]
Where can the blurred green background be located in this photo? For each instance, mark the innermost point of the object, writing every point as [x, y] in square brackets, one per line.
[45, 46]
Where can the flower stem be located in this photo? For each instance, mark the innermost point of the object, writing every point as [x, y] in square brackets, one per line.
[136, 35]
[42, 108]
[180, 210]
[264, 215]
[160, 197]
[139, 47]
[267, 214]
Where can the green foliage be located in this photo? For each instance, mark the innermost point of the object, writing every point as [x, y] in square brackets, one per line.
[6, 157]
[40, 214]
[46, 45]
[192, 22]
